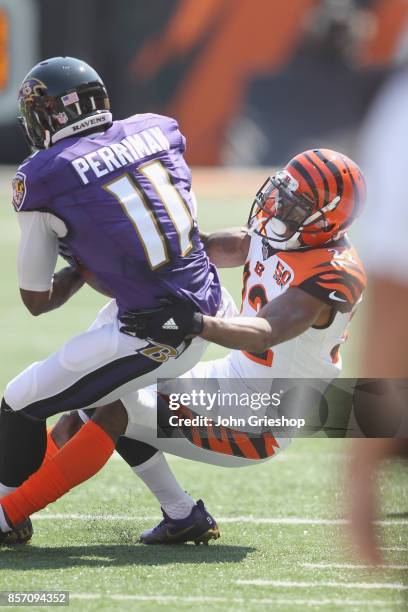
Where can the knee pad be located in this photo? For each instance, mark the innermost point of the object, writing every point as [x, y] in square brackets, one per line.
[21, 391]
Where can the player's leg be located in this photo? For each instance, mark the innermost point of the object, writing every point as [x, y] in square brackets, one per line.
[50, 481]
[146, 461]
[22, 446]
[184, 519]
[14, 425]
[179, 508]
[22, 530]
[171, 495]
[60, 472]
[94, 368]
[144, 408]
[150, 465]
[78, 460]
[180, 511]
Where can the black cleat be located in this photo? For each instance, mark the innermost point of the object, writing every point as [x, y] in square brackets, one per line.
[198, 527]
[19, 535]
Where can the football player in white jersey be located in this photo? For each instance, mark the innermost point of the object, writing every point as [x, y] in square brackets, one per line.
[302, 281]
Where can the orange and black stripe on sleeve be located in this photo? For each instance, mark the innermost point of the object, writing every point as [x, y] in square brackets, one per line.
[337, 286]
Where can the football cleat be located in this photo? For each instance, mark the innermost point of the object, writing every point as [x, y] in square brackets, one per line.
[19, 535]
[198, 527]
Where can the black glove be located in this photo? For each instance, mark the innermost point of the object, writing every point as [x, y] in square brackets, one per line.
[65, 252]
[171, 323]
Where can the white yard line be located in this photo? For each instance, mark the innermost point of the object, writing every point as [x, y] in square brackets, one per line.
[225, 519]
[94, 517]
[232, 600]
[326, 584]
[330, 566]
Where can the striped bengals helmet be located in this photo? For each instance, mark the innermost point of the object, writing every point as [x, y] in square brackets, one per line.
[313, 200]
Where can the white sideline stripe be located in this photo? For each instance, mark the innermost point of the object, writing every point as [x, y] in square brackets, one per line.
[224, 519]
[352, 566]
[329, 584]
[229, 600]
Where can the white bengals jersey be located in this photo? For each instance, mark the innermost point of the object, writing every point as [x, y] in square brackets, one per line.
[334, 274]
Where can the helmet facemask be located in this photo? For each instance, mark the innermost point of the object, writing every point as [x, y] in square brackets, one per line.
[281, 216]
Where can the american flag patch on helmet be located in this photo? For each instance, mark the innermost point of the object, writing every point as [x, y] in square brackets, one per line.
[70, 98]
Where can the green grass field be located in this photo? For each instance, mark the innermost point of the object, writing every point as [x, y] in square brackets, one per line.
[281, 543]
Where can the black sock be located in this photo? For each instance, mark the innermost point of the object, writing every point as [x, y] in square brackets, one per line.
[23, 443]
[134, 452]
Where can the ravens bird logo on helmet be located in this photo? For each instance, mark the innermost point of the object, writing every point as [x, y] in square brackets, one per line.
[30, 89]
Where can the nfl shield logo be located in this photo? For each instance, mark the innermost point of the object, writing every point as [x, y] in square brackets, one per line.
[61, 118]
[19, 190]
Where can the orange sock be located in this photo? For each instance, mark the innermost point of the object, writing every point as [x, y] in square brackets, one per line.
[79, 459]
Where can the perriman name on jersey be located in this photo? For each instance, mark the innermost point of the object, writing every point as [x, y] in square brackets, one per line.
[116, 155]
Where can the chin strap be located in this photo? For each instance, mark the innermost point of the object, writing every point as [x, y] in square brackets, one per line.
[291, 243]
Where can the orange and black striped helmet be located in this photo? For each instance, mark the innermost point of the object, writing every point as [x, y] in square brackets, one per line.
[313, 200]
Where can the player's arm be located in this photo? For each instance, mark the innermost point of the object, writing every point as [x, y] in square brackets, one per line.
[227, 248]
[41, 290]
[284, 318]
[65, 284]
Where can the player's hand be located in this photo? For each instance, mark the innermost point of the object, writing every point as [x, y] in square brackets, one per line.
[172, 322]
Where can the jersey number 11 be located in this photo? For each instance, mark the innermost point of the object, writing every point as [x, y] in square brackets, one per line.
[140, 212]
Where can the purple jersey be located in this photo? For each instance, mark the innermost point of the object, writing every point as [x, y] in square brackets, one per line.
[124, 195]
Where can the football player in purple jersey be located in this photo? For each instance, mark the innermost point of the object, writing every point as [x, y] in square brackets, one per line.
[117, 196]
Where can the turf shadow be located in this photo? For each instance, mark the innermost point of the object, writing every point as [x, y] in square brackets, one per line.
[111, 555]
[396, 515]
